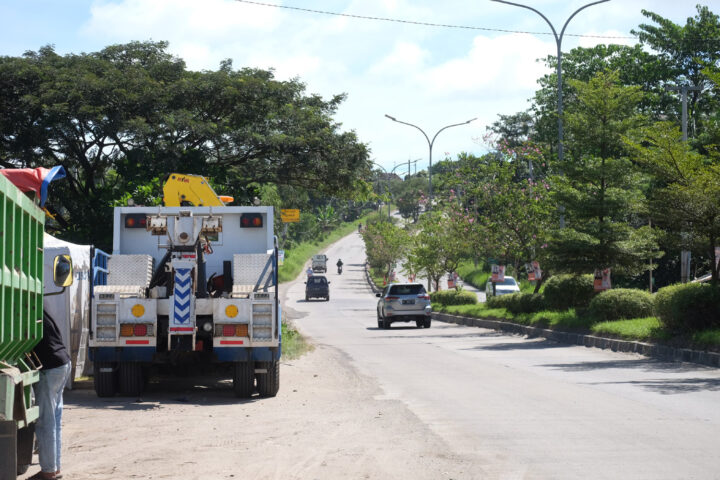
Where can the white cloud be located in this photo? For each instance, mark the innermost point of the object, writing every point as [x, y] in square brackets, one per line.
[178, 20]
[494, 67]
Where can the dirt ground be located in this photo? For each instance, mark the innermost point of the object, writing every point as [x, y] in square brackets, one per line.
[326, 422]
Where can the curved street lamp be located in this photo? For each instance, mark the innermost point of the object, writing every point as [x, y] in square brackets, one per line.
[558, 41]
[387, 183]
[430, 145]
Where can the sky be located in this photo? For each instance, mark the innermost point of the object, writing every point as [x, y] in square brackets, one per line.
[428, 76]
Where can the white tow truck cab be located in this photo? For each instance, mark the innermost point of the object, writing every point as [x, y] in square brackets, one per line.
[188, 284]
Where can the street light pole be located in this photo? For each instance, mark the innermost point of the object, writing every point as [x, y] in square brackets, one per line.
[430, 145]
[387, 183]
[558, 42]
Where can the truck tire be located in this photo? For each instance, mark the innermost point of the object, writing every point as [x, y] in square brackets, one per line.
[244, 379]
[427, 322]
[105, 382]
[268, 383]
[131, 381]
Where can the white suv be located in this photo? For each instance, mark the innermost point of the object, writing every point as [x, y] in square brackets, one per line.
[404, 302]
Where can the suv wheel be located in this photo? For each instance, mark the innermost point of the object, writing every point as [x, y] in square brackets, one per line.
[427, 322]
[419, 323]
[386, 323]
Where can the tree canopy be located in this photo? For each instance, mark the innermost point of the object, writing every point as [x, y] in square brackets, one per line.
[121, 119]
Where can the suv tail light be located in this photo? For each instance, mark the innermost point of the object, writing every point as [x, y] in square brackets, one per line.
[392, 298]
[424, 296]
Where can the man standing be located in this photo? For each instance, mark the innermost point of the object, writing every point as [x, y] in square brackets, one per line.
[49, 394]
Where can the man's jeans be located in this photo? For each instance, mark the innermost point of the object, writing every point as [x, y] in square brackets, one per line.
[49, 395]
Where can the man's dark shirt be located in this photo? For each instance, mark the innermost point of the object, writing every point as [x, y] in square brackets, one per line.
[51, 351]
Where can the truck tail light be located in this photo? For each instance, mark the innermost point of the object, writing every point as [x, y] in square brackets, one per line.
[134, 330]
[135, 220]
[251, 220]
[240, 330]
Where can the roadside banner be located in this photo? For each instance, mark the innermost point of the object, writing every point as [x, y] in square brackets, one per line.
[498, 273]
[281, 257]
[602, 280]
[533, 271]
[536, 270]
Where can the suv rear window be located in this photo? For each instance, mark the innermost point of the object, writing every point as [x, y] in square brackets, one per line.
[318, 280]
[406, 290]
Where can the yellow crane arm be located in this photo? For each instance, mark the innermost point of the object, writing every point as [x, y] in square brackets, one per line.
[181, 190]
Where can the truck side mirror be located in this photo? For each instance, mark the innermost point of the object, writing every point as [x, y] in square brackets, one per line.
[63, 271]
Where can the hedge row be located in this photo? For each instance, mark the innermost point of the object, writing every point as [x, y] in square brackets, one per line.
[683, 307]
[690, 306]
[454, 297]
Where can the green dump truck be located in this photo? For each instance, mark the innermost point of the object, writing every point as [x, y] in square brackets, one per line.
[21, 312]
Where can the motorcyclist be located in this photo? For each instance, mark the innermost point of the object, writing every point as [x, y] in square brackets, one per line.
[339, 265]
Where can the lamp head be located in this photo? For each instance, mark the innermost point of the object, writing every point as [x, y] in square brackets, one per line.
[391, 118]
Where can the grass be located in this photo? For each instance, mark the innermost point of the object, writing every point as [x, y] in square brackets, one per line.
[707, 339]
[568, 320]
[296, 257]
[648, 328]
[294, 345]
[637, 329]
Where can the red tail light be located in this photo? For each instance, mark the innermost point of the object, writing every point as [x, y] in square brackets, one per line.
[228, 330]
[140, 330]
[424, 296]
[392, 298]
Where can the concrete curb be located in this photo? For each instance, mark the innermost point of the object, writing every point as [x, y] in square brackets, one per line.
[372, 286]
[662, 352]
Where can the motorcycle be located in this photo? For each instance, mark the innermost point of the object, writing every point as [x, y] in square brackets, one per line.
[339, 269]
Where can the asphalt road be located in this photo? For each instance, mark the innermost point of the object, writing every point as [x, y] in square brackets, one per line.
[523, 408]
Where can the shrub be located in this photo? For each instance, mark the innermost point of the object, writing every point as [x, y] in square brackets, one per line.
[621, 303]
[454, 297]
[525, 303]
[518, 302]
[690, 306]
[568, 291]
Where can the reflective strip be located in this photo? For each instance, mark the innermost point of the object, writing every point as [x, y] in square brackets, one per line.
[137, 342]
[231, 342]
[182, 329]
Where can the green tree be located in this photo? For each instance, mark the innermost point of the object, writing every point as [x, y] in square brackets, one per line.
[684, 52]
[687, 199]
[600, 189]
[385, 245]
[117, 118]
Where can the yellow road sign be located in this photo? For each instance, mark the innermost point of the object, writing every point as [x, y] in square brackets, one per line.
[290, 215]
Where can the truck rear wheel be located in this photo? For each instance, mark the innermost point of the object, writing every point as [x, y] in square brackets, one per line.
[105, 379]
[244, 379]
[131, 378]
[268, 383]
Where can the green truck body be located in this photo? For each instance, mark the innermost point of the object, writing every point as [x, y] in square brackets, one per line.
[21, 311]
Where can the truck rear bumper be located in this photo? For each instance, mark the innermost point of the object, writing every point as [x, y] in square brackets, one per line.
[148, 354]
[257, 354]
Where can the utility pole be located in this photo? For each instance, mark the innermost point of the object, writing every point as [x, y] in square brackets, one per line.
[684, 89]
